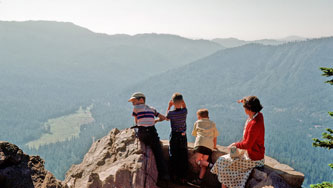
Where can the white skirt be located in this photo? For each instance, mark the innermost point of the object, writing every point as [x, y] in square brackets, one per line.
[234, 172]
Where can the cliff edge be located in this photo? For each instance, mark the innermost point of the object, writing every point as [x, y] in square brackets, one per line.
[120, 160]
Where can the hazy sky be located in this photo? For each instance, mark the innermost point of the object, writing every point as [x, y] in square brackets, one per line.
[244, 19]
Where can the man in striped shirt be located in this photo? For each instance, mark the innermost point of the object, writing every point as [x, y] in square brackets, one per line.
[144, 116]
[178, 141]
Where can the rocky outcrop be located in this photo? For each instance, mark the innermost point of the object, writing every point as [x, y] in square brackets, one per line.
[23, 171]
[121, 160]
[118, 160]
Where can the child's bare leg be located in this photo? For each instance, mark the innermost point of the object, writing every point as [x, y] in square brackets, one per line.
[204, 163]
[203, 168]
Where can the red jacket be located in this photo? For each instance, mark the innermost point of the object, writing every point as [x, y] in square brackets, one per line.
[254, 138]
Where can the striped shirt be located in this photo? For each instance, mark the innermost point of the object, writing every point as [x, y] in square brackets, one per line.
[178, 119]
[145, 115]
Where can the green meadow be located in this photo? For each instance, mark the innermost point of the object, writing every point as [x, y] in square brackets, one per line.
[63, 128]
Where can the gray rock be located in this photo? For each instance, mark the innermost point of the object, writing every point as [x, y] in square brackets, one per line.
[118, 160]
[273, 180]
[259, 175]
[20, 170]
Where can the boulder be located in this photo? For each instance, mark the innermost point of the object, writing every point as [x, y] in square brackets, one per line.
[118, 160]
[23, 171]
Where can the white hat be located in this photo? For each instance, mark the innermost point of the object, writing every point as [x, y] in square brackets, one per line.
[136, 95]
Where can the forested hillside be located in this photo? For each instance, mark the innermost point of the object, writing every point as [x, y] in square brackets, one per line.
[49, 70]
[233, 42]
[286, 78]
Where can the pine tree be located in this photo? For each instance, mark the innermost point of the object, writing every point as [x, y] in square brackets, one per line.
[327, 143]
[328, 137]
[327, 72]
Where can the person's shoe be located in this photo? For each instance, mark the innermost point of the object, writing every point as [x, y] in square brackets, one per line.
[162, 183]
[196, 182]
[182, 181]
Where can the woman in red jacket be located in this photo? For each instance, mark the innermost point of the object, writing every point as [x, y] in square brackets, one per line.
[233, 172]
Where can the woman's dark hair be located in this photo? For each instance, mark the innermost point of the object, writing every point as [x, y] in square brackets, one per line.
[252, 103]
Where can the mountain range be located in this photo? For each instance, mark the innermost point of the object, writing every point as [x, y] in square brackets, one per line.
[50, 69]
[234, 42]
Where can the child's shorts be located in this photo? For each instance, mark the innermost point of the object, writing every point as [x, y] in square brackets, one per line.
[203, 150]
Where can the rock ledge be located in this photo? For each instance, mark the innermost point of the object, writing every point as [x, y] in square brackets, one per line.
[121, 160]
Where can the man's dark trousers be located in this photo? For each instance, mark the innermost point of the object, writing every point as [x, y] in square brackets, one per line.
[178, 154]
[149, 136]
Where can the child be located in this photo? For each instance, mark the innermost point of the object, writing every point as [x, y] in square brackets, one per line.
[145, 120]
[178, 141]
[205, 141]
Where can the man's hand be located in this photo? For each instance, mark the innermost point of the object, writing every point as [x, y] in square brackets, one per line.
[160, 118]
[240, 101]
[183, 104]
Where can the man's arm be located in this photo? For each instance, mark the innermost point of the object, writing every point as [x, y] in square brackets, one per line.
[169, 107]
[194, 131]
[183, 104]
[215, 140]
[135, 120]
[134, 114]
[160, 118]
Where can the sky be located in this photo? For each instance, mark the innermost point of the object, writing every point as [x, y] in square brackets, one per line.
[207, 19]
